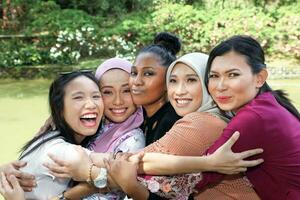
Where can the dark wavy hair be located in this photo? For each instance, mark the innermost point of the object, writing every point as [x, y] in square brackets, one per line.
[165, 46]
[254, 54]
[56, 102]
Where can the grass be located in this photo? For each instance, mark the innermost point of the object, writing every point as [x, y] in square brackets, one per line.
[24, 108]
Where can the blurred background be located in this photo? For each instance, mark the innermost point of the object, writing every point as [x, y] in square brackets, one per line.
[40, 38]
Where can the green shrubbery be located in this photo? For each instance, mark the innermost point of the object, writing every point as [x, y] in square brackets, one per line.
[74, 31]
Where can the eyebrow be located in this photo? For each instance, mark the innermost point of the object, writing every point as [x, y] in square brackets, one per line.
[188, 75]
[226, 72]
[109, 86]
[147, 67]
[80, 92]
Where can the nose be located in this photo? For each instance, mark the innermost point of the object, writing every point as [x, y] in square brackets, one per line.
[180, 89]
[221, 84]
[118, 100]
[137, 80]
[90, 104]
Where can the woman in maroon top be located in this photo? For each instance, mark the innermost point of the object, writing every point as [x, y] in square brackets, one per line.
[236, 79]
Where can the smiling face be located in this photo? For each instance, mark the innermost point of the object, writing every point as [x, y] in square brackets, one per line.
[147, 80]
[232, 83]
[118, 104]
[184, 89]
[83, 107]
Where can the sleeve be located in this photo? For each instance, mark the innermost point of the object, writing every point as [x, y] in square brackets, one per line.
[171, 187]
[251, 128]
[190, 136]
[134, 143]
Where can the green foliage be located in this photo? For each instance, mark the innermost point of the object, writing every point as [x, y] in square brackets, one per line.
[45, 16]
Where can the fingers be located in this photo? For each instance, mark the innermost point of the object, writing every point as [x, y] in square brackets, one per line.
[14, 182]
[18, 164]
[57, 161]
[55, 168]
[4, 183]
[251, 163]
[249, 153]
[231, 141]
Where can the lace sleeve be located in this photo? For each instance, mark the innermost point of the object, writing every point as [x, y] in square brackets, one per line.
[172, 187]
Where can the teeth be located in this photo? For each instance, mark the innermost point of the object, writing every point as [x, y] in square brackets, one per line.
[89, 116]
[136, 91]
[118, 110]
[181, 101]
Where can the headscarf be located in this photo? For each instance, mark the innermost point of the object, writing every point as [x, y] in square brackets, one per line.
[112, 132]
[198, 61]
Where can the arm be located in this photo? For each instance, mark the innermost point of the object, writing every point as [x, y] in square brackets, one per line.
[27, 181]
[223, 161]
[79, 191]
[10, 188]
[124, 173]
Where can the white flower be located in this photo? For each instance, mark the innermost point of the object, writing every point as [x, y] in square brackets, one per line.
[53, 49]
[153, 186]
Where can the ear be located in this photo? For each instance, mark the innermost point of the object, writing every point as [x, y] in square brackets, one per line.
[261, 78]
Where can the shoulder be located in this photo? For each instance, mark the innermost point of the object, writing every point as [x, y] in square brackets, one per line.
[201, 118]
[134, 141]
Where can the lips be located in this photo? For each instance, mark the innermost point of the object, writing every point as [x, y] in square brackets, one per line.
[136, 91]
[182, 102]
[223, 99]
[89, 120]
[118, 111]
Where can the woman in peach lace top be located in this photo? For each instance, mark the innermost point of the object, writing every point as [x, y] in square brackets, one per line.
[201, 125]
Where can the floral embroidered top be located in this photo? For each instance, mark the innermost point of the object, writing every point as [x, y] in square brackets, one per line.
[191, 136]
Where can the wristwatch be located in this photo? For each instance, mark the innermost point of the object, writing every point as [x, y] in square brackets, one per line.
[101, 180]
[62, 196]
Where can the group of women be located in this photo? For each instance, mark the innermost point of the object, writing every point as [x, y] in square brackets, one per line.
[165, 128]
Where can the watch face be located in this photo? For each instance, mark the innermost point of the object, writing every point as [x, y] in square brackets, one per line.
[101, 180]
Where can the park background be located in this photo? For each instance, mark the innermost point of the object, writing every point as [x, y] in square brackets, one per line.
[40, 38]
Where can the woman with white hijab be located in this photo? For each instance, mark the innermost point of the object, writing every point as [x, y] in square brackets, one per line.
[201, 125]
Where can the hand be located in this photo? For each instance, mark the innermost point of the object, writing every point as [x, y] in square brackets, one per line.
[10, 188]
[27, 181]
[123, 172]
[76, 168]
[227, 162]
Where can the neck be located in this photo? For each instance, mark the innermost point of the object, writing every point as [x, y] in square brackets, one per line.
[78, 138]
[152, 108]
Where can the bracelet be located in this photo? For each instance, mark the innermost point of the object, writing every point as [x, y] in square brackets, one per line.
[90, 180]
[116, 153]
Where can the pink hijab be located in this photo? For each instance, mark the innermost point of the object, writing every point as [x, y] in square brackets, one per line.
[111, 133]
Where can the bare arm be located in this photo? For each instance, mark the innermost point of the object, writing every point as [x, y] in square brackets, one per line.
[223, 161]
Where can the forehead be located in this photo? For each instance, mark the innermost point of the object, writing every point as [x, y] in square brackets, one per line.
[81, 84]
[182, 69]
[230, 60]
[147, 60]
[114, 77]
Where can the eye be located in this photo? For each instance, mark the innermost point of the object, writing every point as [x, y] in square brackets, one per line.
[97, 96]
[231, 75]
[78, 97]
[127, 90]
[148, 73]
[213, 76]
[106, 92]
[191, 80]
[172, 80]
[133, 73]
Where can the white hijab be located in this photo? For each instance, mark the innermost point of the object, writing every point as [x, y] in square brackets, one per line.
[198, 61]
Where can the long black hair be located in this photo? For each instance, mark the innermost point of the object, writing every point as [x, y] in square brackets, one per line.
[165, 46]
[56, 103]
[254, 54]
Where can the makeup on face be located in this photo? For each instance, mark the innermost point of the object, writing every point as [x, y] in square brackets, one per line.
[232, 84]
[83, 107]
[147, 80]
[184, 89]
[118, 103]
